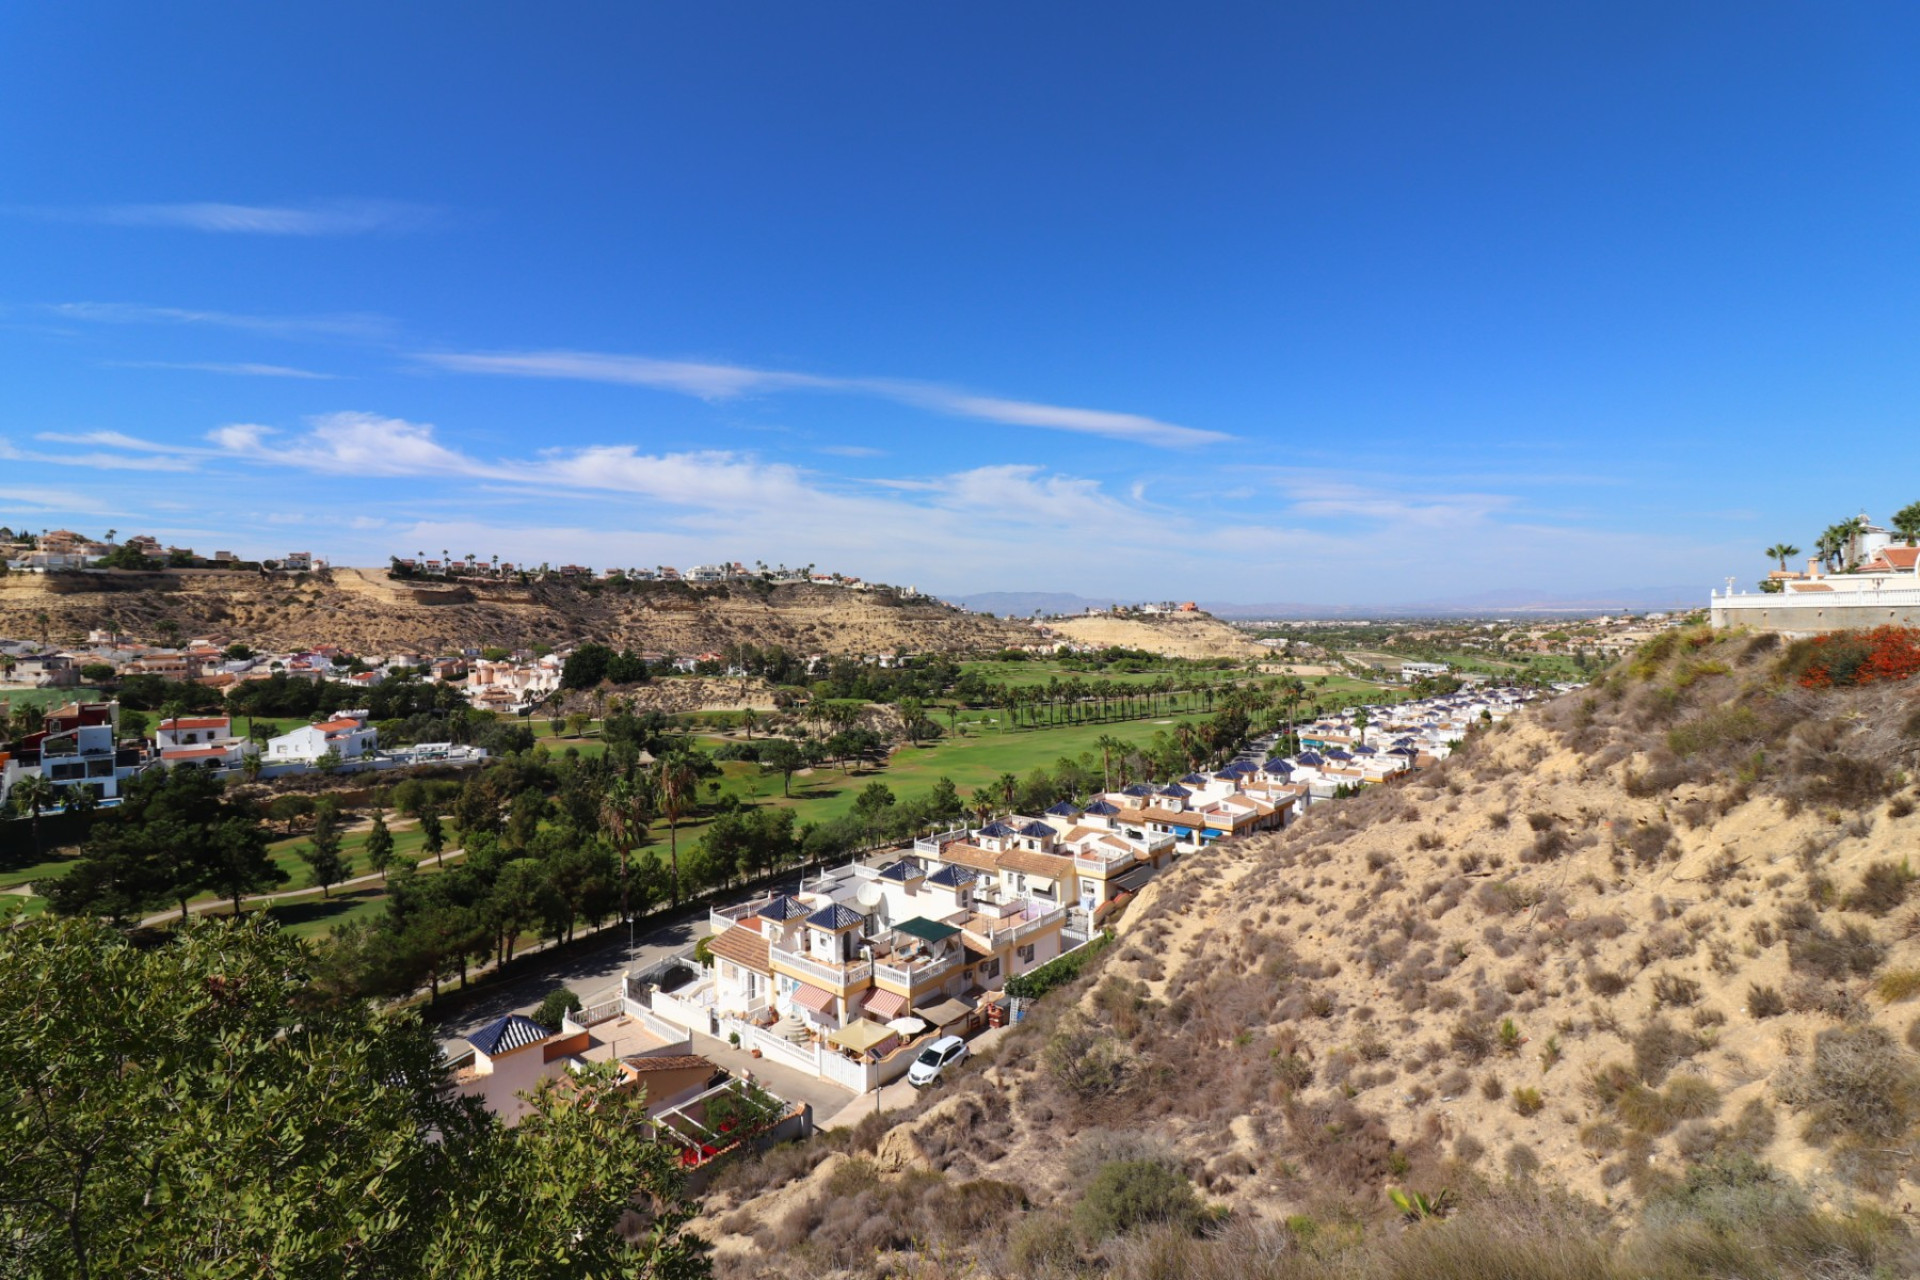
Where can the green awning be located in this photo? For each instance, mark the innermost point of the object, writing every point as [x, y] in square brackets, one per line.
[926, 930]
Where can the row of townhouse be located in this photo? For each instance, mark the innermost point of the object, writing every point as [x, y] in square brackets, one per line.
[1398, 738]
[81, 745]
[862, 960]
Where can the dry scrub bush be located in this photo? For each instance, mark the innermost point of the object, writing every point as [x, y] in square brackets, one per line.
[1883, 887]
[1659, 1046]
[1814, 948]
[1857, 1083]
[1765, 1002]
[861, 1213]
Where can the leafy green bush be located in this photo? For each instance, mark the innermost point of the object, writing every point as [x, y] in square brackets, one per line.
[1058, 971]
[1126, 1194]
[558, 1004]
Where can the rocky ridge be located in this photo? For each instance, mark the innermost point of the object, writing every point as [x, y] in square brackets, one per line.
[366, 612]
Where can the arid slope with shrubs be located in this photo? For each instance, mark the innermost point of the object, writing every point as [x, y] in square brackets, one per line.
[1629, 986]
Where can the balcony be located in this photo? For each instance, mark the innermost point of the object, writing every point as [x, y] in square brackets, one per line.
[916, 973]
[1101, 864]
[836, 976]
[1021, 927]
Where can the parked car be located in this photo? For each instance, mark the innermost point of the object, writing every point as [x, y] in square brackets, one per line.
[934, 1059]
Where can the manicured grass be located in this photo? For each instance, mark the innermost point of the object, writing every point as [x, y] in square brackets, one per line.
[407, 843]
[20, 698]
[1031, 673]
[25, 905]
[51, 869]
[971, 762]
[314, 916]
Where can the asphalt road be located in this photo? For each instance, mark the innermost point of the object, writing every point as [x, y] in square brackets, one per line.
[592, 975]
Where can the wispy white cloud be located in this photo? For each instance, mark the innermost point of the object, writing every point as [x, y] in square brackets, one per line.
[324, 218]
[1331, 499]
[40, 499]
[852, 451]
[246, 370]
[689, 377]
[712, 381]
[356, 326]
[140, 458]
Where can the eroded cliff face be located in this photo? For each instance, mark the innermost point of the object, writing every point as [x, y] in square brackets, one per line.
[1173, 635]
[365, 612]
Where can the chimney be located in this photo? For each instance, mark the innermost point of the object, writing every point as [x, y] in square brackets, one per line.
[1813, 566]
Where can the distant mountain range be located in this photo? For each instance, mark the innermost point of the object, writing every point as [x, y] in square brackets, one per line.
[1508, 600]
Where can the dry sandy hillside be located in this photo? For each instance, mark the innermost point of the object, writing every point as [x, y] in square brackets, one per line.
[1197, 635]
[1651, 945]
[362, 610]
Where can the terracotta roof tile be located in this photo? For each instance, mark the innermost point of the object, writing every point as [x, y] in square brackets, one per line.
[967, 855]
[745, 948]
[1036, 864]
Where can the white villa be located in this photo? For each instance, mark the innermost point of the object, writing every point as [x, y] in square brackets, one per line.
[201, 742]
[347, 734]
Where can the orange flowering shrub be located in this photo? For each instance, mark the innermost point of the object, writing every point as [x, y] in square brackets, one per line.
[1856, 657]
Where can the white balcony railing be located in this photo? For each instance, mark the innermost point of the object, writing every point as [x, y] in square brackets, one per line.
[1023, 927]
[835, 975]
[916, 973]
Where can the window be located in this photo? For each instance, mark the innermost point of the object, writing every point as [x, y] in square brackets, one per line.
[1025, 953]
[990, 968]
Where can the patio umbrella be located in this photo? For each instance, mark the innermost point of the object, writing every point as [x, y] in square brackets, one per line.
[908, 1026]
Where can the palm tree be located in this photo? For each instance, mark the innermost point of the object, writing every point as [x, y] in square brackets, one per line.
[1109, 746]
[1782, 552]
[1008, 784]
[33, 793]
[625, 810]
[1907, 522]
[677, 786]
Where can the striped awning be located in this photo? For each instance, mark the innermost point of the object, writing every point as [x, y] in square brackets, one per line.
[885, 1005]
[813, 998]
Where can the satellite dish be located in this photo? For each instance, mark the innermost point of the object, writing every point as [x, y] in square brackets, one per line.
[871, 894]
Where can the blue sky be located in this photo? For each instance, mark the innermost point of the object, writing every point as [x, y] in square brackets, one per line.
[1340, 303]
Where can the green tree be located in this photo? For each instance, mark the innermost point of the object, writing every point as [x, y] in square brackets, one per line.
[783, 756]
[433, 836]
[290, 809]
[675, 783]
[237, 862]
[558, 1003]
[189, 1109]
[380, 845]
[32, 793]
[1360, 723]
[1906, 521]
[872, 804]
[1782, 552]
[162, 843]
[322, 850]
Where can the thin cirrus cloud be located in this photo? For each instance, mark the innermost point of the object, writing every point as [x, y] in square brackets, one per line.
[357, 326]
[138, 456]
[711, 381]
[240, 370]
[323, 218]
